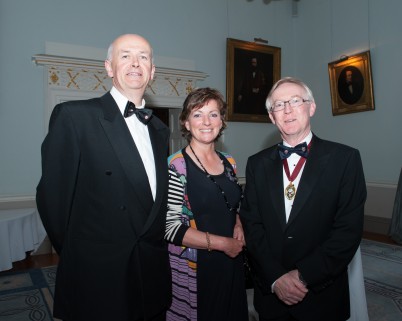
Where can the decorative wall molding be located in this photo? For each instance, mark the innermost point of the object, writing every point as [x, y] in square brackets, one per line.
[374, 224]
[378, 209]
[380, 200]
[13, 199]
[12, 202]
[69, 78]
[381, 185]
[90, 75]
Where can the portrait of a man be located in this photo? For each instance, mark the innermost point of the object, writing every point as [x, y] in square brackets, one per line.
[350, 85]
[253, 89]
[251, 70]
[253, 80]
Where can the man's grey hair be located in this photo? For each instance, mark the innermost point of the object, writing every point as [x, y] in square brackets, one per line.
[288, 80]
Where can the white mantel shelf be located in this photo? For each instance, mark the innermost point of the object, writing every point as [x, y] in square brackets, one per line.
[72, 78]
[71, 62]
[168, 89]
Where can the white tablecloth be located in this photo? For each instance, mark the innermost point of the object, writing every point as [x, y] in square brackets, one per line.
[21, 231]
[358, 303]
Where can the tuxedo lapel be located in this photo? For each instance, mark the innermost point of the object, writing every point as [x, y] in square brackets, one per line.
[315, 165]
[158, 135]
[126, 151]
[273, 165]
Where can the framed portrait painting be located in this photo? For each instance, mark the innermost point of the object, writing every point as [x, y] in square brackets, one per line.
[251, 70]
[351, 84]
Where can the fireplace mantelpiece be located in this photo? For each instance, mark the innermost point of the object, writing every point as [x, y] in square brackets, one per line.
[167, 87]
[69, 78]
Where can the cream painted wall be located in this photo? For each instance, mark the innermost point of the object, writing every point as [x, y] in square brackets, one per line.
[322, 31]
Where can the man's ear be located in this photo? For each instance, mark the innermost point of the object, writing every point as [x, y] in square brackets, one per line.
[108, 68]
[272, 118]
[152, 71]
[312, 109]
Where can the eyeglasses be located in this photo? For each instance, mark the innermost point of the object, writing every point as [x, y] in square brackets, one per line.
[294, 102]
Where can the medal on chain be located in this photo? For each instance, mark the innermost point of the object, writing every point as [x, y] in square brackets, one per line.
[290, 191]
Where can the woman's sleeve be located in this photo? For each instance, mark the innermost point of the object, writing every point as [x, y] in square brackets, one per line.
[175, 229]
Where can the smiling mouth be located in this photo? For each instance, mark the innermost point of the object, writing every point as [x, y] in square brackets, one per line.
[135, 74]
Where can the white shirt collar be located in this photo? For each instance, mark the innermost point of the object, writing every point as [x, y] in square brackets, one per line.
[122, 100]
[307, 139]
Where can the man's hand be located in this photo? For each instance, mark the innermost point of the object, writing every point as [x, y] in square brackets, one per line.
[289, 288]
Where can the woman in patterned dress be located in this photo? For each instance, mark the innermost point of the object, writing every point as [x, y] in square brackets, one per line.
[203, 227]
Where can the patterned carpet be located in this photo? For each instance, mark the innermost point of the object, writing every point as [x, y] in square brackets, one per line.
[382, 269]
[28, 295]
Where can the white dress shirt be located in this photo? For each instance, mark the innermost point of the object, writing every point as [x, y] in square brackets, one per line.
[292, 162]
[140, 134]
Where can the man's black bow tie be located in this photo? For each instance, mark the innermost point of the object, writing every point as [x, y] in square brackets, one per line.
[285, 152]
[143, 114]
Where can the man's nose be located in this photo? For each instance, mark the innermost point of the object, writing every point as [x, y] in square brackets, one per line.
[134, 62]
[287, 109]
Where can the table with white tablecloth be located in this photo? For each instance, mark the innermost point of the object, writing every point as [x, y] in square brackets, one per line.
[21, 231]
[358, 303]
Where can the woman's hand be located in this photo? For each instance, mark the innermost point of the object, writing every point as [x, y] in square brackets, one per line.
[238, 232]
[232, 247]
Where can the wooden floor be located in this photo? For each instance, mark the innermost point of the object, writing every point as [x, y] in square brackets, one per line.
[37, 261]
[378, 237]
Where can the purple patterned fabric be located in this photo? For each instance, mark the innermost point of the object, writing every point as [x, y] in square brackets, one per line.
[183, 260]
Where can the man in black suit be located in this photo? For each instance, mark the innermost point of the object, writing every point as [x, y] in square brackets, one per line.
[302, 214]
[253, 90]
[103, 197]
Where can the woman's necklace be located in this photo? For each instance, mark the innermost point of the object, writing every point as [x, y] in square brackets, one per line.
[230, 208]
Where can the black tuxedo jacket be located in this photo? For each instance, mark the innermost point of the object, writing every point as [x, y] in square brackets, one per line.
[321, 236]
[96, 204]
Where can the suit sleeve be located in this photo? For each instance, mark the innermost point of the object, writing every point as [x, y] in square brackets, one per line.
[266, 267]
[60, 163]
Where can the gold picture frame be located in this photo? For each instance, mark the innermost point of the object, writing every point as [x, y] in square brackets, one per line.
[246, 95]
[351, 84]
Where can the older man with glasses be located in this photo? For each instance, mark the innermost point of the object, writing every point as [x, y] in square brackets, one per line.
[302, 214]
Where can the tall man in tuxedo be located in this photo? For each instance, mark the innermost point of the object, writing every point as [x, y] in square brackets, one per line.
[103, 197]
[302, 214]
